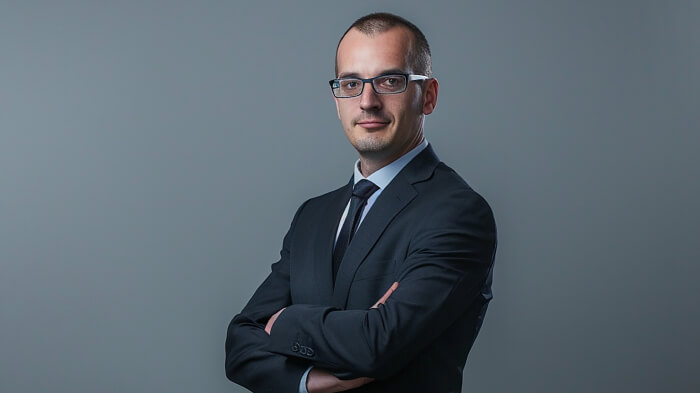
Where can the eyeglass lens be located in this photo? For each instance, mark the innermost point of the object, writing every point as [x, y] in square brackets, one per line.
[384, 84]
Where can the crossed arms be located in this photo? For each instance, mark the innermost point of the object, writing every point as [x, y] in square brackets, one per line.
[322, 381]
[444, 270]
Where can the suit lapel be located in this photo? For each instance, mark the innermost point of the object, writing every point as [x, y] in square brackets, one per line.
[392, 200]
[323, 254]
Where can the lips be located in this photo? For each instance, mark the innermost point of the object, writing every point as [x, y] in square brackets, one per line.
[372, 123]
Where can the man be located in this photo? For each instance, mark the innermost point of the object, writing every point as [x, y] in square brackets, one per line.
[382, 284]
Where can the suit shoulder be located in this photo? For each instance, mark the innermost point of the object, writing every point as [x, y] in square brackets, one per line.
[446, 182]
[324, 198]
[322, 201]
[446, 196]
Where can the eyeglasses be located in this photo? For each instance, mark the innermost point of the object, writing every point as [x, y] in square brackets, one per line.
[382, 84]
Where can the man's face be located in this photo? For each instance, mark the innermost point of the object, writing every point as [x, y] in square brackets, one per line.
[382, 127]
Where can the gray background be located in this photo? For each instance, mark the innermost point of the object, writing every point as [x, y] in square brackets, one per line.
[152, 155]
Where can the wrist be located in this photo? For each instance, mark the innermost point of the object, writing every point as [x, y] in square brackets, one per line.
[319, 381]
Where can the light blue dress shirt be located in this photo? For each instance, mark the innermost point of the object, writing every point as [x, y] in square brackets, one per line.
[381, 178]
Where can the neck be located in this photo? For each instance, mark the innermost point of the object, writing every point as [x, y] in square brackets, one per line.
[371, 162]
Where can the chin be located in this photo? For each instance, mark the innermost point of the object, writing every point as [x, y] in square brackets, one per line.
[371, 143]
[371, 148]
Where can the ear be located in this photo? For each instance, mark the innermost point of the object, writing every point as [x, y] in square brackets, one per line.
[430, 95]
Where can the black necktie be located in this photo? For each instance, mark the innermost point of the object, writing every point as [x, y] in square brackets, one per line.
[360, 193]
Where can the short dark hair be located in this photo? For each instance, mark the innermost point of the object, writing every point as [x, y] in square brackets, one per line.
[379, 22]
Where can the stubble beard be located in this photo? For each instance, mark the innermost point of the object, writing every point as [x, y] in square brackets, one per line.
[370, 145]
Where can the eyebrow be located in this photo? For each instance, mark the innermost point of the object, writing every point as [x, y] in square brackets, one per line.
[356, 75]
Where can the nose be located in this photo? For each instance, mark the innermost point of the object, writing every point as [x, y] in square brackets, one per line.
[369, 99]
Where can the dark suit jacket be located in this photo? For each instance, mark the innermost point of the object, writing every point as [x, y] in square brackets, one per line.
[429, 231]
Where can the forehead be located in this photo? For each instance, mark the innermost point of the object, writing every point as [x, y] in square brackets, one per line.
[368, 55]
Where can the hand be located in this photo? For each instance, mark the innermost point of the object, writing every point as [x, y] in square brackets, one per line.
[386, 295]
[321, 381]
[271, 321]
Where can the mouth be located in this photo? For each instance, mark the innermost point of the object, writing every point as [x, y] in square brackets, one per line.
[372, 123]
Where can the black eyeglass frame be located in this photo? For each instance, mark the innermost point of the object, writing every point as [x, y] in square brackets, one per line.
[335, 83]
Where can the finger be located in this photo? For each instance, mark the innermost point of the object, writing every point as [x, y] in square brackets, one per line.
[271, 321]
[386, 295]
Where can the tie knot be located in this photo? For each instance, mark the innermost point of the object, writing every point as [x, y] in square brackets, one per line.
[364, 189]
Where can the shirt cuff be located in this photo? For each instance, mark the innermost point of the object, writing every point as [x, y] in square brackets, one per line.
[302, 383]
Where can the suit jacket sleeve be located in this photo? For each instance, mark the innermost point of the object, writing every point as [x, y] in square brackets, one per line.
[248, 362]
[446, 266]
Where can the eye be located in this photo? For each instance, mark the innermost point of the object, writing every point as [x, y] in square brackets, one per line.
[350, 84]
[390, 82]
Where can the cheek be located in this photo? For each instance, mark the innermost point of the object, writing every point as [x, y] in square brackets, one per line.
[346, 117]
[344, 114]
[410, 109]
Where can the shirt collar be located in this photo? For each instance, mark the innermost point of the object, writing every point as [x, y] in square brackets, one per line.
[385, 175]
